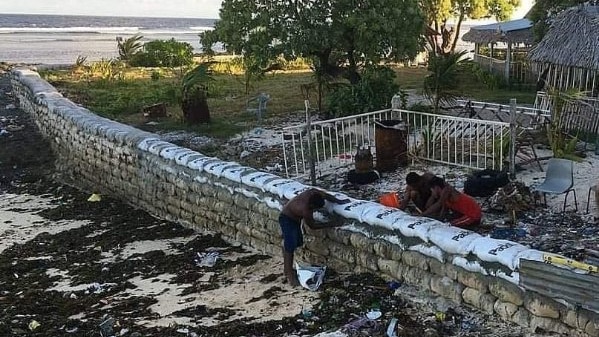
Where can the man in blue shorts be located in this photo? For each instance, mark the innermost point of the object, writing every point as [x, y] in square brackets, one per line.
[297, 209]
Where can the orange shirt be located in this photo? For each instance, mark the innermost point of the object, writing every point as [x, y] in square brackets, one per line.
[465, 205]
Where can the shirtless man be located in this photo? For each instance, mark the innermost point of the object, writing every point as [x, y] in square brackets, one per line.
[418, 190]
[467, 212]
[297, 209]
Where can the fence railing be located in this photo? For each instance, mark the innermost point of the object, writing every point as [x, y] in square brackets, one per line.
[520, 71]
[334, 142]
[525, 117]
[579, 117]
[451, 140]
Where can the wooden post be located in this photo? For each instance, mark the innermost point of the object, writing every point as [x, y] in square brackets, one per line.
[513, 134]
[508, 60]
[309, 136]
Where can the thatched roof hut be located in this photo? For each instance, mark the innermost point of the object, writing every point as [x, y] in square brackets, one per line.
[509, 33]
[514, 32]
[568, 55]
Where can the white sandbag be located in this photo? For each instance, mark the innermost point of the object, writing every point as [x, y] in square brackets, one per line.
[235, 172]
[473, 266]
[170, 153]
[199, 163]
[217, 168]
[453, 240]
[493, 250]
[381, 216]
[145, 144]
[258, 179]
[352, 210]
[419, 227]
[430, 251]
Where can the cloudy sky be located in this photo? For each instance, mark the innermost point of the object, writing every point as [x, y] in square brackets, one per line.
[159, 8]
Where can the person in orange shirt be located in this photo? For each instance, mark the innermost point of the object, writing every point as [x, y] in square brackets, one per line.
[466, 211]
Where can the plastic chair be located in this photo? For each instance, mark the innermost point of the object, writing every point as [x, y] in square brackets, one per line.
[257, 105]
[559, 179]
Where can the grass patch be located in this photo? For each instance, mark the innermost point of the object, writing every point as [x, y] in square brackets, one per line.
[122, 98]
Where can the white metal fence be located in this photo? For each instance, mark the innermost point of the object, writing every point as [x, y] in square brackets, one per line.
[451, 140]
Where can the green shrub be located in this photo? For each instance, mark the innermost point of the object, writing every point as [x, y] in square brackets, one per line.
[163, 53]
[373, 92]
[490, 80]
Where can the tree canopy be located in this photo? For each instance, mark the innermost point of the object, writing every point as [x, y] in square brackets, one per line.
[339, 36]
[440, 12]
[542, 12]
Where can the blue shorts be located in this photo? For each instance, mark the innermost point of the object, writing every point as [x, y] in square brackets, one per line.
[292, 233]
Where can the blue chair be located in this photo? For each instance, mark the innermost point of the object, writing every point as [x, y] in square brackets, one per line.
[257, 105]
[559, 179]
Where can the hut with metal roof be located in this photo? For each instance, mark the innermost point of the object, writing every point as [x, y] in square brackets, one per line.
[568, 55]
[509, 34]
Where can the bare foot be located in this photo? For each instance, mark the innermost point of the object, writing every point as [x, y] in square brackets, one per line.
[292, 280]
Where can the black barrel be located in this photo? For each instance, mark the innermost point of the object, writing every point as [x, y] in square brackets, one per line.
[391, 143]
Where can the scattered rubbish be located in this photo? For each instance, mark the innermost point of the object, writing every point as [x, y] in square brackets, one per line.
[3, 132]
[183, 330]
[71, 330]
[440, 316]
[10, 107]
[97, 288]
[359, 323]
[94, 198]
[106, 327]
[507, 233]
[73, 296]
[206, 259]
[391, 328]
[394, 285]
[374, 314]
[14, 128]
[306, 313]
[310, 277]
[34, 325]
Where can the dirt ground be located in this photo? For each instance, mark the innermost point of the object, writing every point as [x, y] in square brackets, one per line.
[70, 267]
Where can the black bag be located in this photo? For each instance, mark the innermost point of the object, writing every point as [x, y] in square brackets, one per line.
[484, 183]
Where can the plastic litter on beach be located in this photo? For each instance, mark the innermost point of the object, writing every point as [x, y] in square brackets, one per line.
[106, 327]
[374, 314]
[310, 277]
[94, 198]
[34, 325]
[206, 259]
[391, 328]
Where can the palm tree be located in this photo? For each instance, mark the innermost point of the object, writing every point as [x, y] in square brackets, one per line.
[194, 103]
[129, 47]
[440, 85]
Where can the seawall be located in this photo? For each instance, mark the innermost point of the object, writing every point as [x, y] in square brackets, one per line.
[243, 204]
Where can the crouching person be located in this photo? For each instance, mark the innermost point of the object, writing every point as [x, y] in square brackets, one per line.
[466, 212]
[295, 210]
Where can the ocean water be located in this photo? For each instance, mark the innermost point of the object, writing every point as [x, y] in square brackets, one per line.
[60, 39]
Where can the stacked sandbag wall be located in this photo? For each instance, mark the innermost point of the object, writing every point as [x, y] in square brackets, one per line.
[243, 204]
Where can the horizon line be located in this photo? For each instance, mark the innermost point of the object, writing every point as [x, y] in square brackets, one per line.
[113, 16]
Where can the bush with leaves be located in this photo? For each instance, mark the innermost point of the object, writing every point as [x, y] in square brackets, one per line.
[129, 47]
[440, 85]
[163, 53]
[194, 88]
[373, 92]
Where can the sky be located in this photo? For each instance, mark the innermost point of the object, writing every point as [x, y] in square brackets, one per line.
[156, 8]
[153, 8]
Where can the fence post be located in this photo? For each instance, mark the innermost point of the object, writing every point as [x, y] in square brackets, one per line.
[309, 136]
[512, 152]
